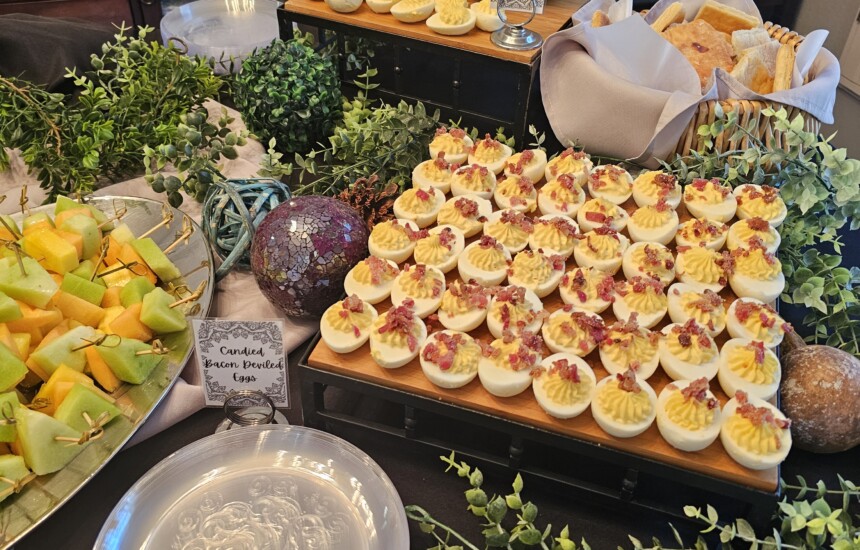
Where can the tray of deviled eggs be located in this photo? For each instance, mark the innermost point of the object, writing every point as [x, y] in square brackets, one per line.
[597, 302]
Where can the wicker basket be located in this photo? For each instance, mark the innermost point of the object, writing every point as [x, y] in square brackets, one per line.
[747, 110]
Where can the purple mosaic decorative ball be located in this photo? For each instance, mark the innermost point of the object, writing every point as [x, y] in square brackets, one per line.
[303, 250]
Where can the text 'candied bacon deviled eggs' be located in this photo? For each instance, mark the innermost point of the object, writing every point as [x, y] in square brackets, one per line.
[535, 271]
[687, 351]
[554, 234]
[455, 143]
[473, 179]
[464, 306]
[624, 405]
[576, 164]
[434, 173]
[561, 195]
[346, 325]
[642, 295]
[702, 232]
[440, 248]
[626, 345]
[449, 359]
[753, 319]
[421, 285]
[452, 19]
[706, 307]
[516, 310]
[598, 212]
[573, 330]
[484, 261]
[702, 268]
[756, 274]
[651, 187]
[755, 433]
[587, 288]
[420, 205]
[710, 199]
[752, 231]
[529, 164]
[748, 365]
[564, 386]
[602, 249]
[394, 240]
[516, 192]
[506, 365]
[688, 415]
[510, 228]
[467, 213]
[649, 259]
[397, 336]
[371, 279]
[653, 223]
[490, 153]
[611, 183]
[760, 201]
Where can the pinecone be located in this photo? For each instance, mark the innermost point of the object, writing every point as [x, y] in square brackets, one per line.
[374, 202]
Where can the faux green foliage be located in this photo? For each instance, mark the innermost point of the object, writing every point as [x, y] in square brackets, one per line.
[289, 92]
[131, 97]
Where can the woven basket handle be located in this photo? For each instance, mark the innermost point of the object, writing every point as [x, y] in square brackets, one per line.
[783, 35]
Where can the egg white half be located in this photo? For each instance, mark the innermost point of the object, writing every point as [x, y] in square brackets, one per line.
[731, 382]
[439, 377]
[497, 166]
[485, 208]
[468, 270]
[733, 241]
[738, 330]
[534, 170]
[745, 286]
[399, 255]
[610, 265]
[439, 26]
[413, 14]
[677, 369]
[458, 189]
[527, 204]
[422, 181]
[614, 198]
[566, 252]
[345, 342]
[513, 248]
[450, 262]
[620, 219]
[618, 429]
[622, 311]
[422, 219]
[553, 408]
[597, 305]
[393, 357]
[721, 212]
[372, 294]
[676, 311]
[743, 215]
[495, 325]
[555, 346]
[632, 269]
[682, 438]
[686, 278]
[463, 322]
[714, 244]
[662, 234]
[542, 288]
[423, 306]
[646, 368]
[744, 457]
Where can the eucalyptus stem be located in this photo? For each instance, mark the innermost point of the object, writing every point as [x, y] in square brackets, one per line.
[417, 513]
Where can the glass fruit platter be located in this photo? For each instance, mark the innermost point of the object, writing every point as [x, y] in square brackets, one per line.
[44, 494]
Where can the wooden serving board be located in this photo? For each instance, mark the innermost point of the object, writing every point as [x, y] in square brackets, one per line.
[523, 408]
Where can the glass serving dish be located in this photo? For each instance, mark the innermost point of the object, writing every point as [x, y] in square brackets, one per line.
[270, 486]
[44, 495]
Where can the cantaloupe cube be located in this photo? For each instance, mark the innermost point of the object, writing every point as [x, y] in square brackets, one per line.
[32, 318]
[8, 340]
[115, 275]
[78, 309]
[101, 371]
[111, 313]
[73, 239]
[59, 255]
[112, 297]
[112, 254]
[57, 386]
[22, 341]
[66, 214]
[36, 369]
[128, 324]
[37, 228]
[128, 255]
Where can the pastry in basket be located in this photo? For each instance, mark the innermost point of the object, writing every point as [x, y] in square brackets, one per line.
[473, 179]
[756, 67]
[485, 261]
[745, 233]
[394, 240]
[371, 279]
[610, 182]
[688, 415]
[487, 16]
[346, 325]
[756, 274]
[587, 288]
[536, 272]
[450, 358]
[600, 19]
[506, 365]
[704, 47]
[760, 201]
[753, 319]
[745, 39]
[565, 385]
[421, 285]
[652, 186]
[516, 192]
[726, 19]
[710, 199]
[397, 336]
[510, 228]
[464, 306]
[514, 309]
[687, 351]
[598, 212]
[602, 248]
[702, 268]
[702, 232]
[754, 432]
[749, 365]
[455, 143]
[573, 330]
[440, 248]
[561, 195]
[626, 345]
[624, 405]
[453, 18]
[467, 213]
[490, 153]
[706, 307]
[420, 205]
[649, 259]
[554, 235]
[653, 223]
[576, 164]
[673, 14]
[434, 173]
[530, 164]
[642, 295]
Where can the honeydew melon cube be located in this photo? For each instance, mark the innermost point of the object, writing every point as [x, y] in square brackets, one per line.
[135, 290]
[13, 468]
[37, 433]
[83, 288]
[128, 255]
[8, 403]
[156, 259]
[122, 234]
[84, 399]
[65, 203]
[126, 364]
[12, 368]
[101, 371]
[59, 351]
[5, 234]
[88, 229]
[157, 314]
[9, 309]
[36, 219]
[129, 325]
[35, 288]
[62, 217]
[59, 255]
[85, 270]
[79, 309]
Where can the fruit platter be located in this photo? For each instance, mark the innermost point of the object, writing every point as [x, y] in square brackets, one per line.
[96, 298]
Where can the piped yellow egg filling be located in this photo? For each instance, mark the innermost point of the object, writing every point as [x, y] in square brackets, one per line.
[756, 264]
[531, 269]
[430, 250]
[650, 217]
[388, 236]
[341, 323]
[487, 259]
[742, 361]
[507, 234]
[624, 406]
[563, 391]
[630, 347]
[689, 414]
[694, 353]
[419, 288]
[762, 439]
[547, 235]
[565, 332]
[443, 142]
[600, 247]
[701, 264]
[647, 302]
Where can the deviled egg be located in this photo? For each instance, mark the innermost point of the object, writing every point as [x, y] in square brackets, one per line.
[517, 193]
[749, 365]
[450, 358]
[443, 4]
[484, 261]
[599, 212]
[440, 248]
[488, 152]
[702, 232]
[629, 346]
[754, 432]
[760, 201]
[710, 199]
[687, 352]
[554, 234]
[464, 306]
[394, 240]
[576, 164]
[452, 19]
[561, 195]
[397, 336]
[746, 233]
[467, 213]
[514, 309]
[565, 386]
[487, 16]
[371, 279]
[536, 271]
[610, 182]
[642, 295]
[573, 330]
[455, 143]
[624, 405]
[587, 288]
[419, 205]
[688, 415]
[346, 325]
[753, 319]
[687, 302]
[653, 223]
[649, 259]
[510, 228]
[757, 274]
[601, 248]
[413, 11]
[651, 187]
[421, 285]
[506, 365]
[381, 6]
[529, 164]
[473, 179]
[701, 267]
[434, 173]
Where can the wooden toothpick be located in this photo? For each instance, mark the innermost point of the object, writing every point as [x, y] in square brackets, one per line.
[166, 218]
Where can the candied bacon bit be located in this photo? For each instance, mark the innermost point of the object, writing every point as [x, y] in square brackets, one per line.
[469, 171]
[786, 328]
[512, 294]
[414, 235]
[524, 160]
[595, 217]
[352, 303]
[447, 238]
[565, 370]
[422, 195]
[592, 324]
[709, 301]
[604, 288]
[518, 201]
[566, 181]
[643, 284]
[401, 319]
[758, 348]
[487, 242]
[441, 131]
[440, 161]
[758, 224]
[627, 379]
[662, 206]
[561, 224]
[727, 262]
[531, 340]
[683, 248]
[698, 390]
[474, 295]
[666, 182]
[689, 331]
[488, 142]
[379, 269]
[433, 353]
[518, 219]
[557, 262]
[760, 416]
[466, 207]
[488, 350]
[457, 133]
[699, 184]
[606, 231]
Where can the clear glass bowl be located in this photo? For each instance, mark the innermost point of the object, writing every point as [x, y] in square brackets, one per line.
[267, 486]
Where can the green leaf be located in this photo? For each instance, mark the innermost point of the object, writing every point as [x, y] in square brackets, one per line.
[518, 483]
[745, 530]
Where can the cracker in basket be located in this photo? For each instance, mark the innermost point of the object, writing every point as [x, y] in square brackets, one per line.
[600, 19]
[703, 46]
[785, 59]
[745, 39]
[726, 18]
[757, 66]
[671, 15]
